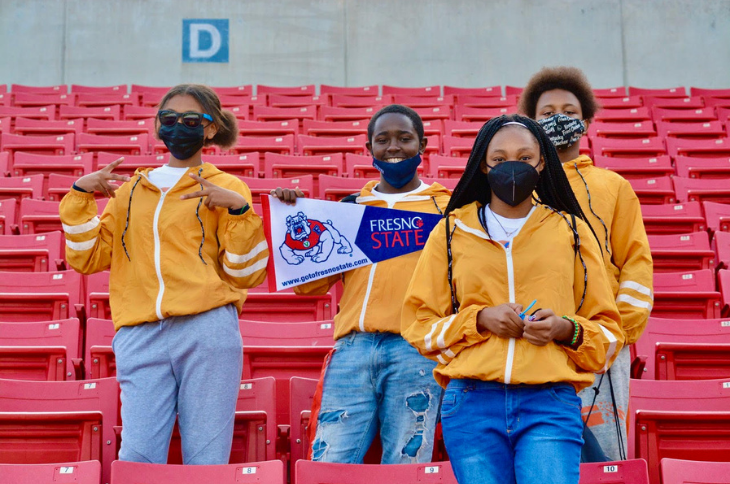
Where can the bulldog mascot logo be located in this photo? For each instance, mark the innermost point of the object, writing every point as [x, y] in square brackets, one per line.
[311, 238]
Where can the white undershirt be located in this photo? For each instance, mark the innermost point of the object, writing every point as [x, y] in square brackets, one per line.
[391, 198]
[509, 228]
[166, 176]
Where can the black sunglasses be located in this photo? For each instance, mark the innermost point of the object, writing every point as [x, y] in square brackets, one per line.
[189, 119]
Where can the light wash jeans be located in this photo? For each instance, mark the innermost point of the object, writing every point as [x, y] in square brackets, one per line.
[507, 434]
[377, 381]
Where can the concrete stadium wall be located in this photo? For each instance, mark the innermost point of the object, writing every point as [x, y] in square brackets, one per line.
[646, 43]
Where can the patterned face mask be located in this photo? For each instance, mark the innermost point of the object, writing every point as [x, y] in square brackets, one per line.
[563, 130]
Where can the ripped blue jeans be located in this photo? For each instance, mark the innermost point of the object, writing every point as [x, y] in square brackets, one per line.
[377, 381]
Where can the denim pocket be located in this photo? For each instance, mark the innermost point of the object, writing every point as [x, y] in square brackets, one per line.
[453, 398]
[566, 395]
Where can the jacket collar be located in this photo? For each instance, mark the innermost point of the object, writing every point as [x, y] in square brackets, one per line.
[467, 219]
[433, 190]
[205, 170]
[581, 162]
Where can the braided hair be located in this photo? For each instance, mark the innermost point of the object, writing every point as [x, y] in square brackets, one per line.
[553, 189]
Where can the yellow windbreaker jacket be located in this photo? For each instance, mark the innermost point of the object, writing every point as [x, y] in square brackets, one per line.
[541, 264]
[372, 296]
[613, 210]
[166, 261]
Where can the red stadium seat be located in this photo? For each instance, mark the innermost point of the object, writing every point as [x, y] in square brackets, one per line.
[242, 90]
[310, 472]
[26, 164]
[42, 127]
[286, 101]
[26, 100]
[653, 191]
[138, 112]
[285, 166]
[99, 361]
[16, 88]
[622, 102]
[19, 188]
[457, 147]
[717, 216]
[683, 252]
[271, 472]
[690, 167]
[677, 471]
[704, 148]
[668, 92]
[55, 145]
[687, 295]
[717, 103]
[694, 102]
[655, 166]
[334, 128]
[628, 148]
[97, 295]
[104, 112]
[7, 216]
[334, 188]
[121, 128]
[242, 112]
[415, 102]
[723, 277]
[285, 306]
[340, 101]
[228, 102]
[313, 145]
[57, 186]
[263, 186]
[629, 115]
[248, 164]
[275, 144]
[721, 245]
[435, 113]
[482, 115]
[264, 113]
[85, 472]
[40, 296]
[462, 129]
[692, 361]
[5, 124]
[633, 471]
[350, 91]
[161, 91]
[42, 351]
[107, 99]
[679, 419]
[31, 253]
[610, 92]
[684, 115]
[131, 162]
[268, 128]
[4, 164]
[492, 91]
[700, 91]
[301, 394]
[327, 113]
[59, 421]
[46, 112]
[702, 189]
[150, 99]
[38, 217]
[308, 90]
[513, 90]
[639, 129]
[137, 144]
[712, 331]
[446, 167]
[487, 102]
[433, 127]
[119, 88]
[412, 91]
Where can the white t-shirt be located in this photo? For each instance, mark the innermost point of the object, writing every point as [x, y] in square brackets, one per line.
[507, 230]
[391, 198]
[166, 176]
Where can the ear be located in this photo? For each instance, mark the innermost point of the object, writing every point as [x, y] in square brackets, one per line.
[541, 165]
[422, 145]
[211, 131]
[483, 166]
[369, 146]
[587, 122]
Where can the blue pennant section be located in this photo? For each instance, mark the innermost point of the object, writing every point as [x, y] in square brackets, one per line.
[386, 233]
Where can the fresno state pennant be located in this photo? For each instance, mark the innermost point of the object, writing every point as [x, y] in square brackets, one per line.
[315, 238]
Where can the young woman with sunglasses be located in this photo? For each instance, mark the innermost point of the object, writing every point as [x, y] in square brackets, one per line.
[511, 370]
[182, 244]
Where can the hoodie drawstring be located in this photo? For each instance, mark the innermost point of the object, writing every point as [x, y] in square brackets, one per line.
[129, 211]
[605, 229]
[202, 227]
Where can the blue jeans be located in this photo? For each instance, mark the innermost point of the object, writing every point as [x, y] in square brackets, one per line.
[377, 380]
[506, 434]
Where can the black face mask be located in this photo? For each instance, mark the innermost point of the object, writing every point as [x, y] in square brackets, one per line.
[182, 141]
[513, 181]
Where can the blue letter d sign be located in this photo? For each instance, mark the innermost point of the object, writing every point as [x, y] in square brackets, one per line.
[205, 40]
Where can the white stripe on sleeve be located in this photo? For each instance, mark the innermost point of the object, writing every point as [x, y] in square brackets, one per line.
[80, 229]
[240, 259]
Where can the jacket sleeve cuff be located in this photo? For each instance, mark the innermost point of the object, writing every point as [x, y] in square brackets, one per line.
[240, 211]
[79, 189]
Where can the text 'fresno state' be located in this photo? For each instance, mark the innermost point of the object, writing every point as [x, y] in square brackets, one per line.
[397, 232]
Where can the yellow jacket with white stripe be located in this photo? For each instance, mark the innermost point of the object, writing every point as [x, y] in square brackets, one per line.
[373, 295]
[164, 259]
[540, 263]
[614, 212]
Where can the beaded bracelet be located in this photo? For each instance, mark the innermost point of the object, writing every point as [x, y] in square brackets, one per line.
[575, 333]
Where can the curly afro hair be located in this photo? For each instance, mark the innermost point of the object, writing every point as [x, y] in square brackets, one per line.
[569, 79]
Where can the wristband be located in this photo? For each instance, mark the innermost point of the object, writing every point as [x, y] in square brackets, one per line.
[79, 189]
[239, 211]
[576, 333]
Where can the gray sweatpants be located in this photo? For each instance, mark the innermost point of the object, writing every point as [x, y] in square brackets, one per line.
[602, 422]
[185, 366]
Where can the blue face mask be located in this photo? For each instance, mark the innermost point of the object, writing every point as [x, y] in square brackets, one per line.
[398, 174]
